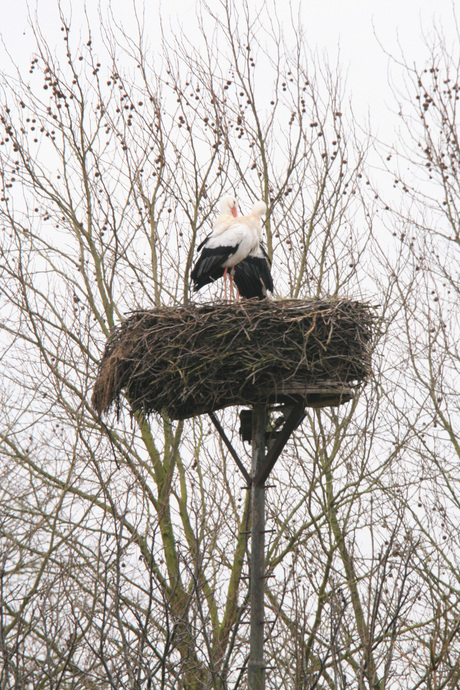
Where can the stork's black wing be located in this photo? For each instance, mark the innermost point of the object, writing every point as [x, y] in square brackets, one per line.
[208, 266]
[252, 275]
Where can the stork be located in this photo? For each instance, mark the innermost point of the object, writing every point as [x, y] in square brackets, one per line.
[228, 208]
[231, 241]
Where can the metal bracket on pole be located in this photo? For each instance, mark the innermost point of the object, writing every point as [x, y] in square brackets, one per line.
[231, 449]
[295, 417]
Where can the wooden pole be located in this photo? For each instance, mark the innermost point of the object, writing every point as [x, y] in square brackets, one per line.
[256, 666]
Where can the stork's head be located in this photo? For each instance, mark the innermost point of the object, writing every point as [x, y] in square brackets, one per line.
[228, 205]
[259, 209]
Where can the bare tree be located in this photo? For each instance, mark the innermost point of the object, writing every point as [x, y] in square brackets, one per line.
[422, 264]
[124, 555]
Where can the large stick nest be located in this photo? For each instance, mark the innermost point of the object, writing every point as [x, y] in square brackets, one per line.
[198, 358]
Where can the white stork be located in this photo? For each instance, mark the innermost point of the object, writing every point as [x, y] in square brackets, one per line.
[228, 209]
[231, 241]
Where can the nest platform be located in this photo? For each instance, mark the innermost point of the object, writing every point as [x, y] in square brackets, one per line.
[193, 359]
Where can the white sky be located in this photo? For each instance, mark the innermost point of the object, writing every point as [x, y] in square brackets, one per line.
[356, 25]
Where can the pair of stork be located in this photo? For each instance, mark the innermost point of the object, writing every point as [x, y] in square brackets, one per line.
[235, 247]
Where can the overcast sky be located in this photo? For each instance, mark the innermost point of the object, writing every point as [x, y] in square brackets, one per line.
[359, 27]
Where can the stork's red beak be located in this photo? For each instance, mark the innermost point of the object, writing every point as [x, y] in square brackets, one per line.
[234, 213]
